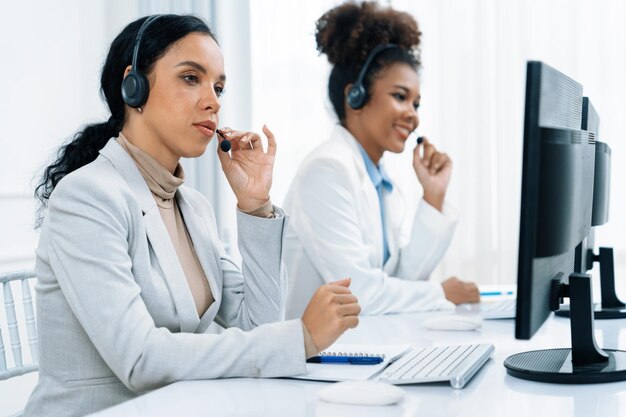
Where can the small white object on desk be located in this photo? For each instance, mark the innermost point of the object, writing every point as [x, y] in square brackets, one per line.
[458, 322]
[361, 393]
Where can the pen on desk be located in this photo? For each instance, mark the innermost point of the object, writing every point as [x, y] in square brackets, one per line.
[488, 293]
[350, 360]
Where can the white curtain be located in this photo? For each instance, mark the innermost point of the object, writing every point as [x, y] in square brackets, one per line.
[472, 84]
[474, 54]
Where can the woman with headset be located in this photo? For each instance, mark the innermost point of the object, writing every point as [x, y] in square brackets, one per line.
[346, 213]
[131, 272]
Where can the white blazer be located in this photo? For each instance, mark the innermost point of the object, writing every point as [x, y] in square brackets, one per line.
[115, 313]
[335, 232]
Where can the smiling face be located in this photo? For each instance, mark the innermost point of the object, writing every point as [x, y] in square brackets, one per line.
[390, 114]
[181, 114]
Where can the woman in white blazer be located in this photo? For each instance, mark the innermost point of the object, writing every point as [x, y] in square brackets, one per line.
[131, 272]
[346, 214]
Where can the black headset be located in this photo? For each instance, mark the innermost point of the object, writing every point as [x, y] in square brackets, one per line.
[135, 86]
[357, 96]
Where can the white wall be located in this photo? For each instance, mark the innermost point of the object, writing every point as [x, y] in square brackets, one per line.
[48, 90]
[49, 86]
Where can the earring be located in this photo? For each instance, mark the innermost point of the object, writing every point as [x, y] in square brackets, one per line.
[140, 109]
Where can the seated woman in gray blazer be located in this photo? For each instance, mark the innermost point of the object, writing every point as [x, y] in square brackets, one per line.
[130, 268]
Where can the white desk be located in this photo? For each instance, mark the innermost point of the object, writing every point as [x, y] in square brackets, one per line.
[492, 392]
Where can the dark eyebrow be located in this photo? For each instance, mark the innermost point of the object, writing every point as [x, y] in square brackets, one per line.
[199, 67]
[193, 65]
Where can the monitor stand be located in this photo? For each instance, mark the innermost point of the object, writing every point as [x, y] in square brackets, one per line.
[585, 362]
[611, 307]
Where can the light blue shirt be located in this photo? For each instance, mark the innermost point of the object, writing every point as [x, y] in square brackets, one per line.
[380, 180]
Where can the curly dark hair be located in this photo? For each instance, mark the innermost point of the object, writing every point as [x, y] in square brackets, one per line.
[347, 34]
[85, 146]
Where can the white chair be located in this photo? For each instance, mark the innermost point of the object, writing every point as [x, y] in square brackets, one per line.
[19, 367]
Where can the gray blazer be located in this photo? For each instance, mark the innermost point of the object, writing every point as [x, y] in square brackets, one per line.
[116, 317]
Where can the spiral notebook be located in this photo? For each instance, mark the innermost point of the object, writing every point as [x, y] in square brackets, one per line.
[346, 372]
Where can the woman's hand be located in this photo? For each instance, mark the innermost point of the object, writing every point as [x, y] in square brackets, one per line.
[248, 168]
[460, 292]
[332, 310]
[433, 169]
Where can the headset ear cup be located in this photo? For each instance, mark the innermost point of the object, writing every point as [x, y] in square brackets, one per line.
[135, 88]
[357, 96]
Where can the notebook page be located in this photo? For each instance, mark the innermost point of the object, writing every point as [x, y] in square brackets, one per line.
[347, 372]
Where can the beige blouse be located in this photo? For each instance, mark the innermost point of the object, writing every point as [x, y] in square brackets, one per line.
[163, 185]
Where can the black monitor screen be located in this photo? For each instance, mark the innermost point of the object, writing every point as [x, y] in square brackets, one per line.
[557, 189]
[556, 214]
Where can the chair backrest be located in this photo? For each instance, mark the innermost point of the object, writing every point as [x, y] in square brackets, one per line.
[20, 278]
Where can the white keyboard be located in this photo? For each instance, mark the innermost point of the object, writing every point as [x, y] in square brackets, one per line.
[499, 309]
[456, 364]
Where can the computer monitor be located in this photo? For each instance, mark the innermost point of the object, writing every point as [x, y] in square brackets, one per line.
[556, 216]
[610, 307]
[590, 122]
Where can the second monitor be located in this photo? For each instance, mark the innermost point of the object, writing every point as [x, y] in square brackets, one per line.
[610, 307]
[556, 216]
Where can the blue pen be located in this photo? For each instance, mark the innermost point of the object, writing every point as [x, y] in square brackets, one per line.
[349, 360]
[488, 293]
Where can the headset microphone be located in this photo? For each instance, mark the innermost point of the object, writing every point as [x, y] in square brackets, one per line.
[225, 144]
